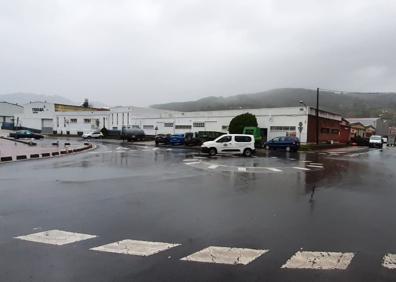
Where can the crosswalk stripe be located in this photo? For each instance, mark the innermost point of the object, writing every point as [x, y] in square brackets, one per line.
[135, 247]
[225, 255]
[389, 261]
[55, 237]
[319, 260]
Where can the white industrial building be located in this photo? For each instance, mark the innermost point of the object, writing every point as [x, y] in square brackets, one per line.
[276, 121]
[75, 120]
[8, 111]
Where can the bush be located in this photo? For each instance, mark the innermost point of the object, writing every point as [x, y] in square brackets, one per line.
[238, 123]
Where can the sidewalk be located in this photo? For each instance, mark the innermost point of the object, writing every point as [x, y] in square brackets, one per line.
[346, 150]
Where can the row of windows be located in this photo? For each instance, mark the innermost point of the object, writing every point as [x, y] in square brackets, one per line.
[283, 128]
[329, 131]
[74, 120]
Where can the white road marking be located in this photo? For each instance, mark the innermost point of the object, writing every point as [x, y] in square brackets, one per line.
[319, 260]
[135, 247]
[192, 163]
[316, 166]
[213, 166]
[121, 148]
[273, 169]
[301, 168]
[199, 158]
[274, 157]
[242, 169]
[291, 159]
[225, 255]
[155, 149]
[56, 237]
[305, 161]
[389, 261]
[189, 160]
[169, 149]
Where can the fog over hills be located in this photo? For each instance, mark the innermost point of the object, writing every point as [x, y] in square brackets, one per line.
[21, 98]
[346, 103]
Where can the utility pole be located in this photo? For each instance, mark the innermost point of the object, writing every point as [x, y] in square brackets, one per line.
[317, 115]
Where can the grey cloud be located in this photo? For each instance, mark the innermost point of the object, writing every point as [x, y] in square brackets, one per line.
[145, 52]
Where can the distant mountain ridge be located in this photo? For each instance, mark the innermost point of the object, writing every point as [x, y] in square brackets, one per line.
[21, 98]
[356, 104]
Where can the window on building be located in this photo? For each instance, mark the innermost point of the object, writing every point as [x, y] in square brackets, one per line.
[73, 120]
[57, 121]
[325, 130]
[168, 124]
[87, 120]
[199, 124]
[148, 126]
[243, 139]
[181, 126]
[135, 126]
[283, 128]
[335, 131]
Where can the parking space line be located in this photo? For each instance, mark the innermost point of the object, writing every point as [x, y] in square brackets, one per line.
[301, 168]
[135, 247]
[315, 166]
[274, 169]
[213, 166]
[55, 237]
[319, 260]
[225, 255]
[192, 163]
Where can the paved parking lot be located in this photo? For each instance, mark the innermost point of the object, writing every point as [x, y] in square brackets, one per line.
[140, 213]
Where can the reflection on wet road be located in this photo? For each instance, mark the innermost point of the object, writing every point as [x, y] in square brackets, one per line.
[136, 213]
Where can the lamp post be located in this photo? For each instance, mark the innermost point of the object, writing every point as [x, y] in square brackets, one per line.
[317, 115]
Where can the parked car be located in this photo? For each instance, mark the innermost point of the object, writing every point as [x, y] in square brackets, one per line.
[92, 134]
[162, 139]
[25, 134]
[230, 144]
[177, 139]
[198, 138]
[376, 141]
[289, 143]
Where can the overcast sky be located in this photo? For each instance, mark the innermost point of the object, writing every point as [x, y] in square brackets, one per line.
[144, 52]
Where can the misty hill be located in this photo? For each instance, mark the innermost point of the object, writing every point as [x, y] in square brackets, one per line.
[347, 104]
[24, 98]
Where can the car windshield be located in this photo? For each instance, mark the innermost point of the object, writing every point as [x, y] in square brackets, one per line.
[375, 138]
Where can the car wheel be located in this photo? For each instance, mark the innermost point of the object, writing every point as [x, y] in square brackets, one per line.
[288, 149]
[212, 151]
[267, 147]
[247, 152]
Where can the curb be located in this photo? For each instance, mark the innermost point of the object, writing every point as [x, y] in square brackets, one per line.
[38, 156]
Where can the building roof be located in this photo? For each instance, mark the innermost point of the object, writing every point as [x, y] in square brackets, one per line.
[364, 121]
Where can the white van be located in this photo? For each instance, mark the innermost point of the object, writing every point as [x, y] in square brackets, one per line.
[376, 141]
[230, 144]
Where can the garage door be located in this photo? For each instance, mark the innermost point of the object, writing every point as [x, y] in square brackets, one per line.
[46, 125]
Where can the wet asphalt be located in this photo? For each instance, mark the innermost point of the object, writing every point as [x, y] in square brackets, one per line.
[142, 193]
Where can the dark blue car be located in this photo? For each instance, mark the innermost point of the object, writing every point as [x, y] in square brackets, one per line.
[177, 139]
[288, 143]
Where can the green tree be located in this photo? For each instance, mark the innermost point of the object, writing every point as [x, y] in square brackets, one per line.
[238, 123]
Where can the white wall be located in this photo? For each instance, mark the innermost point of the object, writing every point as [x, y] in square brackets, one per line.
[74, 122]
[33, 113]
[8, 112]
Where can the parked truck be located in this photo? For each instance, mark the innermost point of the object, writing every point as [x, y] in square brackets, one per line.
[132, 134]
[260, 135]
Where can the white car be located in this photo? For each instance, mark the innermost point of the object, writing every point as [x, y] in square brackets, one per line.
[376, 141]
[92, 134]
[230, 144]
